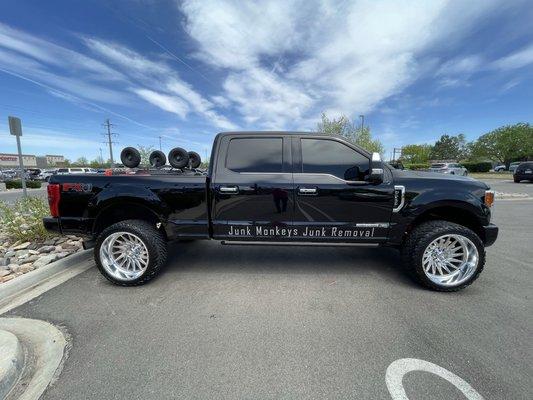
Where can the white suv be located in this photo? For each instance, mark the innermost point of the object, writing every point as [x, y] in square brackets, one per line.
[449, 168]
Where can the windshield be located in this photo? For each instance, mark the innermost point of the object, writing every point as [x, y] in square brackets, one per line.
[438, 165]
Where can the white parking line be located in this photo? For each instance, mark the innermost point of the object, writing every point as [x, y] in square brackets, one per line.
[397, 370]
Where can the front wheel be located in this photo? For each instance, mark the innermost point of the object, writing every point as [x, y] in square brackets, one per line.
[443, 256]
[130, 252]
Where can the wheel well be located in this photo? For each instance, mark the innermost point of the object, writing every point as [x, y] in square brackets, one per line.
[451, 214]
[121, 212]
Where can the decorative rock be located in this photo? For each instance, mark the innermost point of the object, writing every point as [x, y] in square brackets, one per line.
[62, 255]
[22, 246]
[22, 269]
[4, 261]
[31, 259]
[58, 249]
[9, 254]
[45, 260]
[46, 249]
[4, 272]
[13, 267]
[22, 253]
[33, 252]
[7, 278]
[50, 242]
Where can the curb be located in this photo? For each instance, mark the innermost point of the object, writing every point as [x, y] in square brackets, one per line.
[32, 279]
[47, 348]
[11, 362]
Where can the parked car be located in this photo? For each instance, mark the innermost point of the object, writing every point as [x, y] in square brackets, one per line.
[76, 170]
[513, 165]
[524, 172]
[279, 188]
[46, 174]
[500, 168]
[449, 168]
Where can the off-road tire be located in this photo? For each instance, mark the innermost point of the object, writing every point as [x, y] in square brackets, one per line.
[421, 236]
[516, 180]
[153, 239]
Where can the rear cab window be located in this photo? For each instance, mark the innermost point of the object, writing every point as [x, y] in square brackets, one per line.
[255, 155]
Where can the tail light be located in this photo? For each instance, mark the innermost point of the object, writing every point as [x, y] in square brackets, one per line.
[54, 195]
[489, 198]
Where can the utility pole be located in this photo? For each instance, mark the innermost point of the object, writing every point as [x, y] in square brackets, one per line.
[362, 122]
[160, 142]
[109, 141]
[15, 128]
[101, 156]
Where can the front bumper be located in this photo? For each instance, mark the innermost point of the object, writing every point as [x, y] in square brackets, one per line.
[490, 234]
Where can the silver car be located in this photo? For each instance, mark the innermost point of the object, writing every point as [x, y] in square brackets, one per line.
[449, 168]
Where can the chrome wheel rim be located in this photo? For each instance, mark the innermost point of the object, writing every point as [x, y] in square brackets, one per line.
[450, 260]
[124, 256]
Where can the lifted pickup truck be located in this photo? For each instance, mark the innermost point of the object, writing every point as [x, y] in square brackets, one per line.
[280, 188]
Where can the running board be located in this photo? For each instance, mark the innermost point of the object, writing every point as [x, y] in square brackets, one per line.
[324, 244]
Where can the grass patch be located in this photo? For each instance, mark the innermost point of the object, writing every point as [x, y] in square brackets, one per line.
[23, 219]
[491, 175]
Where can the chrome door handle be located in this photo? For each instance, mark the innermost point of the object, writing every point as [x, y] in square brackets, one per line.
[228, 189]
[307, 191]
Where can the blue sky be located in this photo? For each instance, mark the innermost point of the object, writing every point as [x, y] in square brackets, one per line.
[186, 70]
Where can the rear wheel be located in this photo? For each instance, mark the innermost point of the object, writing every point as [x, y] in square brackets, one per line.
[516, 180]
[130, 252]
[443, 256]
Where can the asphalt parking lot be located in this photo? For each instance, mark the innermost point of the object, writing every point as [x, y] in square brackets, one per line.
[297, 323]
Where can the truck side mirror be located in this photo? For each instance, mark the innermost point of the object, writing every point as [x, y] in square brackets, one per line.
[376, 169]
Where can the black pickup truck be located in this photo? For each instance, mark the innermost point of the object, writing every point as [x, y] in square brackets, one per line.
[280, 188]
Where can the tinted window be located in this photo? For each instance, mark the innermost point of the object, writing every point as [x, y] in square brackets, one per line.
[76, 170]
[321, 156]
[62, 170]
[255, 155]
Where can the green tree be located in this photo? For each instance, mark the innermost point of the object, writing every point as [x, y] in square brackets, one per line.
[145, 152]
[416, 153]
[81, 162]
[450, 148]
[506, 144]
[95, 164]
[342, 126]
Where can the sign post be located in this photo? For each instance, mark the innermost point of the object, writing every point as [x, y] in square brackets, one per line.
[15, 127]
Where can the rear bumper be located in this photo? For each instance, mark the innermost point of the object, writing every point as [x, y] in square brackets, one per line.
[490, 234]
[523, 177]
[52, 225]
[67, 225]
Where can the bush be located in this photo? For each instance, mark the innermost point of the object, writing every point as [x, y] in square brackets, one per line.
[482, 166]
[23, 220]
[416, 166]
[18, 184]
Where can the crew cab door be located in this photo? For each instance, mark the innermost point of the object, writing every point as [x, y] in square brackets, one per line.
[334, 200]
[252, 188]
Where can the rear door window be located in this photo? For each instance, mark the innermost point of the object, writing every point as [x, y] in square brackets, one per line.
[323, 156]
[255, 155]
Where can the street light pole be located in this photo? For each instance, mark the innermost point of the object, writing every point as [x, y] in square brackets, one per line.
[15, 128]
[362, 122]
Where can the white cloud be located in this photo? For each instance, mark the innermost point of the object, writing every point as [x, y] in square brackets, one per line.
[516, 60]
[162, 85]
[167, 103]
[288, 61]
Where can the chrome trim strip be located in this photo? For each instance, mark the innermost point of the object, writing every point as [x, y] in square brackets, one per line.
[373, 225]
[324, 244]
[401, 188]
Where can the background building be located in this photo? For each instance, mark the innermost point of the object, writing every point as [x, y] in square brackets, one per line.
[12, 160]
[53, 160]
[8, 161]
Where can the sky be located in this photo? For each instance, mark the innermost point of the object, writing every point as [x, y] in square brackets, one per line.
[186, 70]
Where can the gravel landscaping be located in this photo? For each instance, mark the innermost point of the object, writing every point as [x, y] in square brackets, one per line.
[21, 257]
